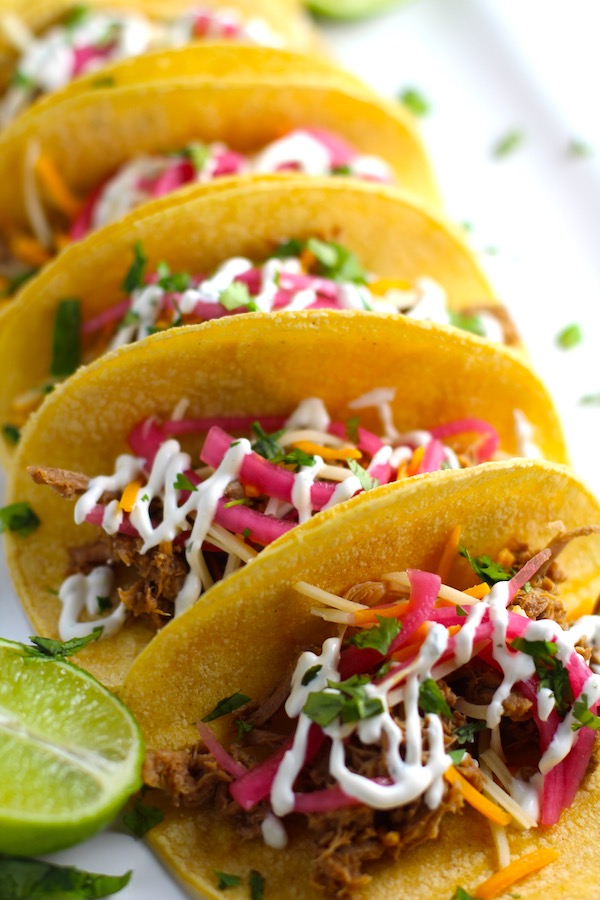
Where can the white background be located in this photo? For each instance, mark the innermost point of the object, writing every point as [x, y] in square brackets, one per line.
[486, 67]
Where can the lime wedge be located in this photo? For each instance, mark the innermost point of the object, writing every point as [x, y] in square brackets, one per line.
[349, 9]
[70, 753]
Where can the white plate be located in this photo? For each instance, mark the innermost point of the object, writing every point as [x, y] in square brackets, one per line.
[486, 69]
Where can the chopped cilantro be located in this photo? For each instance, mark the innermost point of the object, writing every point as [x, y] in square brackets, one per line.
[590, 400]
[14, 283]
[33, 879]
[131, 317]
[384, 669]
[103, 81]
[431, 699]
[366, 482]
[414, 101]
[485, 568]
[266, 444]
[467, 227]
[293, 247]
[135, 275]
[145, 498]
[467, 322]
[237, 296]
[18, 518]
[257, 885]
[347, 700]
[48, 388]
[461, 611]
[584, 715]
[457, 756]
[461, 894]
[465, 734]
[198, 154]
[578, 149]
[246, 533]
[104, 603]
[183, 483]
[550, 671]
[242, 502]
[341, 170]
[311, 674]
[52, 591]
[178, 282]
[21, 80]
[352, 429]
[336, 262]
[224, 880]
[66, 339]
[241, 728]
[58, 649]
[11, 434]
[507, 144]
[226, 705]
[76, 15]
[569, 337]
[379, 637]
[141, 818]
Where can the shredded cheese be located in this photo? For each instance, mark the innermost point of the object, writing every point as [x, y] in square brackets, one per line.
[517, 870]
[475, 799]
[329, 599]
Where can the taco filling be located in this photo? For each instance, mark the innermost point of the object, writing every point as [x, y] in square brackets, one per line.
[428, 698]
[171, 528]
[87, 39]
[299, 274]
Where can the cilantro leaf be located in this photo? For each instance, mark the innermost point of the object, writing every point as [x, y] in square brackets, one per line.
[61, 650]
[286, 249]
[366, 482]
[507, 144]
[336, 262]
[226, 705]
[485, 568]
[550, 671]
[467, 322]
[431, 699]
[461, 894]
[379, 637]
[457, 756]
[237, 296]
[76, 15]
[590, 400]
[11, 434]
[66, 339]
[32, 879]
[178, 282]
[569, 337]
[183, 483]
[414, 101]
[104, 603]
[341, 170]
[244, 501]
[266, 444]
[579, 149]
[246, 533]
[257, 885]
[352, 429]
[198, 154]
[584, 715]
[465, 734]
[347, 700]
[18, 518]
[21, 80]
[241, 728]
[311, 674]
[135, 274]
[141, 818]
[103, 81]
[224, 880]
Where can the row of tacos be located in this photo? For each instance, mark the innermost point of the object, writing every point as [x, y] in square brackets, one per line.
[265, 412]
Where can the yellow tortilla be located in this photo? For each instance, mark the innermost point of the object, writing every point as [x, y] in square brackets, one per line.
[249, 365]
[88, 134]
[197, 230]
[255, 625]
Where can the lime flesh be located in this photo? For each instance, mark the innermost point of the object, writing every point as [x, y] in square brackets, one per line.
[349, 9]
[70, 753]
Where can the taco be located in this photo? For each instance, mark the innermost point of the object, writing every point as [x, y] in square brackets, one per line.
[476, 680]
[45, 44]
[170, 421]
[195, 257]
[85, 157]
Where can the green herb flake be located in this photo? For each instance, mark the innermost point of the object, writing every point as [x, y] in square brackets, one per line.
[467, 322]
[485, 568]
[584, 716]
[257, 885]
[590, 400]
[104, 603]
[183, 483]
[336, 262]
[287, 249]
[76, 15]
[18, 518]
[131, 317]
[225, 881]
[457, 756]
[242, 728]
[135, 275]
[227, 705]
[266, 444]
[242, 502]
[414, 101]
[550, 671]
[465, 734]
[341, 170]
[311, 674]
[198, 154]
[383, 670]
[379, 637]
[11, 434]
[570, 336]
[352, 429]
[431, 699]
[578, 149]
[366, 482]
[507, 144]
[461, 611]
[461, 894]
[177, 282]
[237, 296]
[32, 879]
[246, 533]
[21, 80]
[103, 81]
[141, 818]
[347, 700]
[62, 650]
[66, 339]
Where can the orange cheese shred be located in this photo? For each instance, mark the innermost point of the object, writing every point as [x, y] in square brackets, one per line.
[478, 591]
[28, 250]
[129, 495]
[449, 554]
[383, 285]
[520, 868]
[417, 459]
[367, 616]
[56, 188]
[475, 799]
[327, 452]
